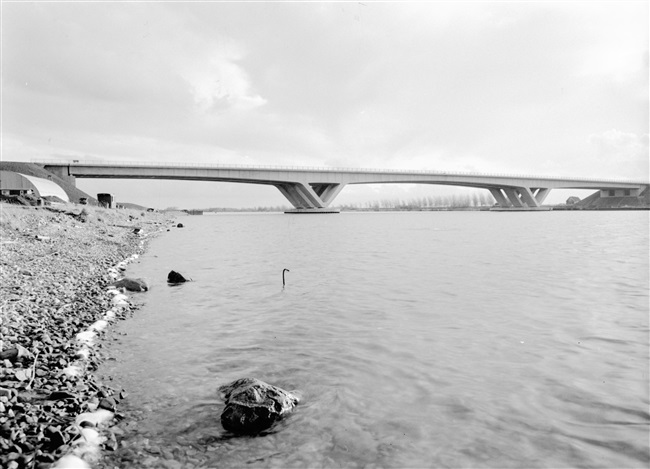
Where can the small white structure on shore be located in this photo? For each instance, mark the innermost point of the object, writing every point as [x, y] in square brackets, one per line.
[12, 183]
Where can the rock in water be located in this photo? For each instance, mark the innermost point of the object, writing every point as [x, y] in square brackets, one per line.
[253, 406]
[175, 277]
[132, 284]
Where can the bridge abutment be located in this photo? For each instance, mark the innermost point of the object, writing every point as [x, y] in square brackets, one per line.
[62, 172]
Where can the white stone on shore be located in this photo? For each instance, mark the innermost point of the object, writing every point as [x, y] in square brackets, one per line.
[70, 461]
[120, 296]
[87, 337]
[99, 325]
[72, 370]
[96, 417]
[91, 436]
[83, 353]
[89, 445]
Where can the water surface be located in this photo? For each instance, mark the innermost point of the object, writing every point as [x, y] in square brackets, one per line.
[419, 339]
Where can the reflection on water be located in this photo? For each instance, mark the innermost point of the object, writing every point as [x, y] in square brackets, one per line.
[416, 340]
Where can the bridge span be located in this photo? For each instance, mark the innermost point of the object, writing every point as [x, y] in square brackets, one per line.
[314, 189]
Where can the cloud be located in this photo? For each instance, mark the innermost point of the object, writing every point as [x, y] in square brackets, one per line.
[221, 85]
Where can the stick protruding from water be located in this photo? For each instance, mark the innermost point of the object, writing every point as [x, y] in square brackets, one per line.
[283, 271]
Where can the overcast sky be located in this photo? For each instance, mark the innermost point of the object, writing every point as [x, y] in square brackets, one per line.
[546, 88]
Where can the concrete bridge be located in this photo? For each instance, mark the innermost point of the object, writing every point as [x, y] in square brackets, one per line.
[313, 189]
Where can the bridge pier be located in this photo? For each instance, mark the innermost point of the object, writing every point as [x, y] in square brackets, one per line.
[310, 197]
[540, 195]
[513, 197]
[526, 196]
[299, 196]
[519, 197]
[499, 197]
[327, 192]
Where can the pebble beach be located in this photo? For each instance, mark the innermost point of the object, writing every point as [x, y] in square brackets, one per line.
[56, 267]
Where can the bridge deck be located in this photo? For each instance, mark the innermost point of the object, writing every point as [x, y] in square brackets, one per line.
[315, 188]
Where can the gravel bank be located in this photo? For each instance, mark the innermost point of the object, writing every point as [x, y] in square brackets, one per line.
[54, 274]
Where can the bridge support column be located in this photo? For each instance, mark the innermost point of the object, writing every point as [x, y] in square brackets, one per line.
[499, 197]
[526, 196]
[513, 196]
[519, 197]
[327, 192]
[292, 196]
[540, 195]
[312, 197]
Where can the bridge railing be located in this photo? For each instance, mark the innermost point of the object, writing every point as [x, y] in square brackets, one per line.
[131, 164]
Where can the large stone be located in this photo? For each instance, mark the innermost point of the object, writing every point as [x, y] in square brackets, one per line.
[253, 406]
[175, 277]
[132, 284]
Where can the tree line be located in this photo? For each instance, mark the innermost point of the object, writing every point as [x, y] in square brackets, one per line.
[473, 200]
[453, 201]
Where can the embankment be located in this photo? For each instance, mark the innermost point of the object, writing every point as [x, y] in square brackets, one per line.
[54, 273]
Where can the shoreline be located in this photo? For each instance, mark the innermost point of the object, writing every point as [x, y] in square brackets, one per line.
[55, 268]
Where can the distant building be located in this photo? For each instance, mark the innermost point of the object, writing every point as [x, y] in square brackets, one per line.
[12, 183]
[572, 200]
[604, 193]
[105, 200]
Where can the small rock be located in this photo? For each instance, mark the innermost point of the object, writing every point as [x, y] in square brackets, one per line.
[111, 444]
[132, 284]
[10, 354]
[175, 277]
[180, 225]
[108, 403]
[60, 395]
[15, 353]
[253, 406]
